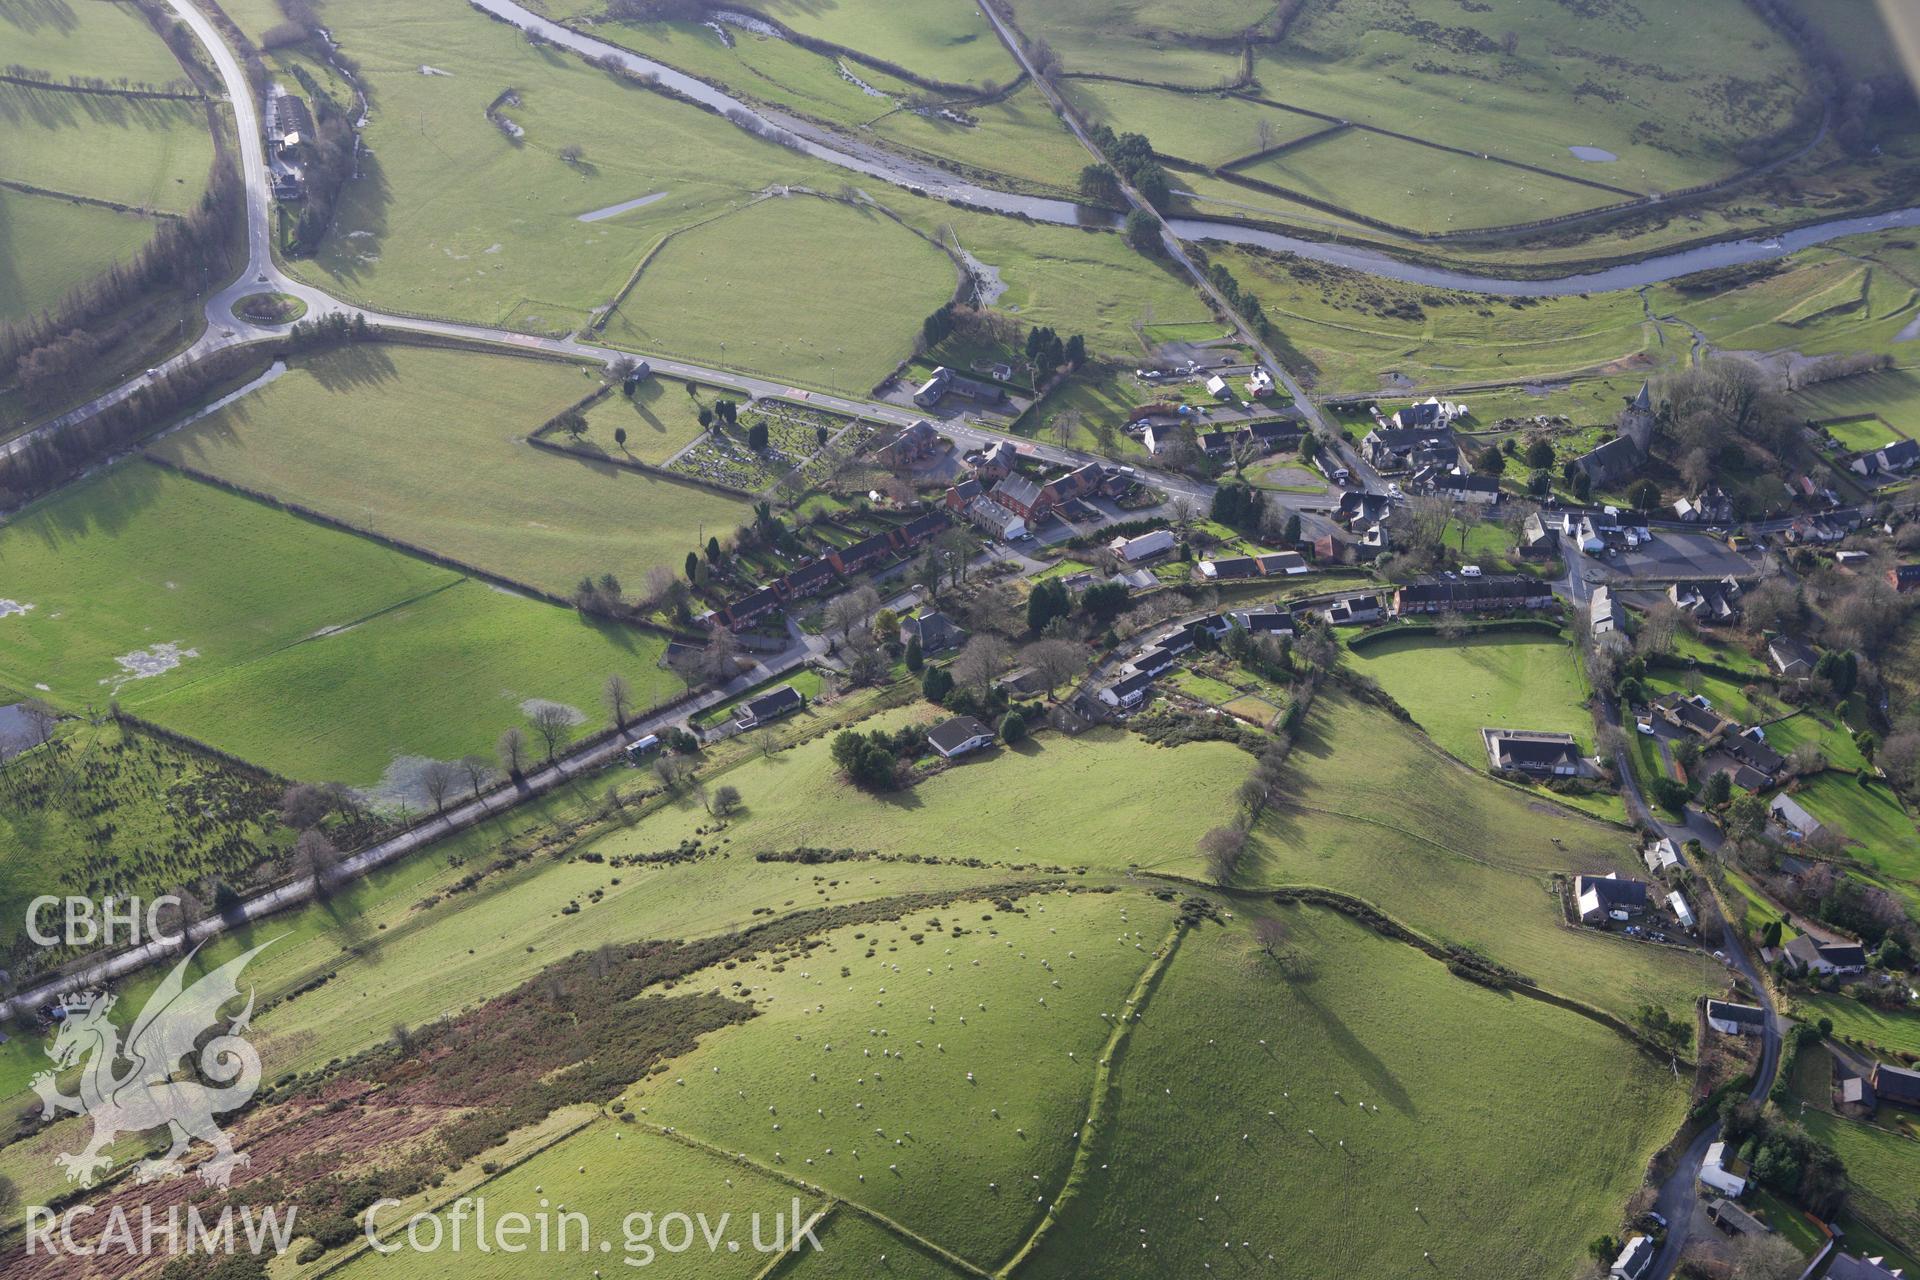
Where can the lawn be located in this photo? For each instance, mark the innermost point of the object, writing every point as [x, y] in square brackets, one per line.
[737, 291]
[660, 420]
[1893, 1031]
[1019, 137]
[1871, 816]
[1205, 688]
[1374, 811]
[1889, 396]
[1858, 435]
[1387, 1108]
[147, 153]
[89, 39]
[917, 1066]
[53, 246]
[1205, 128]
[428, 446]
[471, 661]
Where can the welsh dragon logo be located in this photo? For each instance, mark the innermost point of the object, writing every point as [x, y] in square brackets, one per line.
[145, 1095]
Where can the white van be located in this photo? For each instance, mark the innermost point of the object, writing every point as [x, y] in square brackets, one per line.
[640, 748]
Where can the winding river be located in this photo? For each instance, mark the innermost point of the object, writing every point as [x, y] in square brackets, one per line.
[930, 180]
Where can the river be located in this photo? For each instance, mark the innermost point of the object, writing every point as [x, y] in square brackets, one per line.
[928, 179]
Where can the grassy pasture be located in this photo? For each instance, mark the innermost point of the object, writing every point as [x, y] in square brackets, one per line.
[144, 152]
[1884, 1167]
[49, 245]
[1019, 137]
[862, 1060]
[727, 293]
[1899, 1031]
[660, 420]
[139, 557]
[1501, 679]
[946, 40]
[1825, 301]
[1208, 129]
[1420, 188]
[1150, 40]
[468, 659]
[1043, 801]
[455, 218]
[1673, 109]
[1892, 396]
[1376, 812]
[1348, 332]
[1388, 1107]
[90, 38]
[428, 446]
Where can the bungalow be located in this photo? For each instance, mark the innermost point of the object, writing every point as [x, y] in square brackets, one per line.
[1723, 1172]
[1898, 1085]
[1600, 610]
[1023, 497]
[1904, 577]
[986, 514]
[1847, 1267]
[936, 632]
[945, 381]
[914, 444]
[1128, 693]
[1736, 1019]
[1815, 956]
[1795, 822]
[1398, 449]
[1693, 715]
[934, 388]
[1178, 640]
[1750, 751]
[1542, 754]
[958, 736]
[1895, 459]
[1277, 564]
[1151, 661]
[1677, 904]
[1600, 898]
[1660, 855]
[771, 705]
[1264, 622]
[1635, 1260]
[1259, 384]
[1355, 609]
[1144, 547]
[864, 554]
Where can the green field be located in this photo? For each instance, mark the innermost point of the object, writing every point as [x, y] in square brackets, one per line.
[1850, 297]
[1897, 1032]
[1361, 1089]
[89, 38]
[1375, 812]
[428, 446]
[1500, 680]
[52, 245]
[727, 292]
[1206, 128]
[1349, 332]
[945, 40]
[888, 1045]
[288, 642]
[1145, 41]
[1042, 801]
[146, 153]
[1884, 1168]
[1884, 405]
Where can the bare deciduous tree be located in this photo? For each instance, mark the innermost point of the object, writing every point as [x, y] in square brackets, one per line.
[478, 772]
[512, 750]
[984, 657]
[437, 781]
[725, 801]
[618, 695]
[316, 855]
[1222, 849]
[554, 725]
[1270, 933]
[305, 805]
[1057, 661]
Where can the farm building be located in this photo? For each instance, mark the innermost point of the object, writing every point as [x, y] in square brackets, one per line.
[1143, 547]
[1792, 658]
[1898, 1085]
[1735, 1019]
[769, 706]
[1732, 1220]
[1723, 1172]
[1904, 577]
[1681, 911]
[1600, 609]
[958, 736]
[1816, 956]
[1660, 855]
[1795, 822]
[1282, 563]
[1355, 609]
